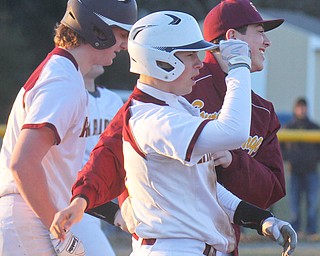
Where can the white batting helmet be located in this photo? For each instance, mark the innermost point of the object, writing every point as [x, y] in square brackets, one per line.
[154, 39]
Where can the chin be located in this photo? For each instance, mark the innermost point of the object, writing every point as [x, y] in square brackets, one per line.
[109, 63]
[257, 68]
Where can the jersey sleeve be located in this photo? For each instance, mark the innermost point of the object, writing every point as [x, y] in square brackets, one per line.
[228, 201]
[102, 177]
[54, 103]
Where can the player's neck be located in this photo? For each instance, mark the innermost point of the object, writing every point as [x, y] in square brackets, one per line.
[155, 83]
[90, 85]
[83, 55]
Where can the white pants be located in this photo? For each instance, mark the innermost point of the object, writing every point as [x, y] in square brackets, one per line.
[223, 254]
[23, 234]
[168, 247]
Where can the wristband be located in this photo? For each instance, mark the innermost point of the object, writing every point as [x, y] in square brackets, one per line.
[250, 216]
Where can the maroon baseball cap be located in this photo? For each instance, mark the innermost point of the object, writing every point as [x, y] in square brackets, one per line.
[234, 14]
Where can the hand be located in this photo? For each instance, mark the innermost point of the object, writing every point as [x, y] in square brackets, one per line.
[119, 221]
[235, 53]
[64, 219]
[70, 246]
[223, 158]
[282, 232]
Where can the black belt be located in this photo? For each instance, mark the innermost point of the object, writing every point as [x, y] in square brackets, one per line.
[151, 241]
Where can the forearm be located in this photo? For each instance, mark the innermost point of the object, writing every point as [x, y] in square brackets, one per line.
[232, 127]
[32, 185]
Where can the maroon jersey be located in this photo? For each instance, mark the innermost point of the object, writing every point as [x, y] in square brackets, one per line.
[256, 173]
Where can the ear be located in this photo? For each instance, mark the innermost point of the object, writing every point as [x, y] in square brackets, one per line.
[231, 34]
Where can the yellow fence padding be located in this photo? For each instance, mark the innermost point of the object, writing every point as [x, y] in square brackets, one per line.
[284, 135]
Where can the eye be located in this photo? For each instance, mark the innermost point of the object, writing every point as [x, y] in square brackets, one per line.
[191, 54]
[124, 35]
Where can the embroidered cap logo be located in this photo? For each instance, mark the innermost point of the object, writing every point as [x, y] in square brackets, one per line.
[253, 6]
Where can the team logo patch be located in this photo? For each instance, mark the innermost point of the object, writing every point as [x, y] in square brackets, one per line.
[252, 144]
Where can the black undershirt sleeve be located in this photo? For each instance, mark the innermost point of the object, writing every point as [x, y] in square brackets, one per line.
[250, 216]
[105, 212]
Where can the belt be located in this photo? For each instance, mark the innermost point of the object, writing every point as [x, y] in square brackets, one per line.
[151, 241]
[145, 241]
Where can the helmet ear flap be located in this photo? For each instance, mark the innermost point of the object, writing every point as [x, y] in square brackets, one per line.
[152, 62]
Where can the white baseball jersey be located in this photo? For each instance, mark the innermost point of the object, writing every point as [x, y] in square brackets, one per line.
[167, 146]
[103, 105]
[54, 96]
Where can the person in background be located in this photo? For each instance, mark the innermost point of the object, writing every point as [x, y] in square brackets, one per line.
[254, 172]
[103, 105]
[303, 159]
[44, 143]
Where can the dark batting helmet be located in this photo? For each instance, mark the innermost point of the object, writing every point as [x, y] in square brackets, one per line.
[93, 19]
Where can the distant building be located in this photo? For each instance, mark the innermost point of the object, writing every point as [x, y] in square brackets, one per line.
[292, 63]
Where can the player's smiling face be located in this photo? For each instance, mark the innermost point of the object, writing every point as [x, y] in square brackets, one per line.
[258, 43]
[107, 55]
[183, 84]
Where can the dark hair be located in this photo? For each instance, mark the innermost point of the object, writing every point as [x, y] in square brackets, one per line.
[301, 101]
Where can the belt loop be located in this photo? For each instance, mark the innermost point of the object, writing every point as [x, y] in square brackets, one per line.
[209, 250]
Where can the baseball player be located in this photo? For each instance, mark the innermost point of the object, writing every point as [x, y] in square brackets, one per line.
[103, 105]
[175, 206]
[255, 171]
[44, 143]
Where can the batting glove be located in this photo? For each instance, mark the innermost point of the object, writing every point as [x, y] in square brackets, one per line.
[235, 53]
[282, 232]
[71, 246]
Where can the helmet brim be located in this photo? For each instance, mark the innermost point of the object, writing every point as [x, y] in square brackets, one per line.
[201, 45]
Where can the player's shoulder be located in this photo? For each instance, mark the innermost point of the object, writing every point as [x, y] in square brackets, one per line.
[260, 102]
[105, 92]
[61, 65]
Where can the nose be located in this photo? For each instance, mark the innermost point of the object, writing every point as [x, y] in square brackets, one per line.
[266, 41]
[124, 45]
[198, 64]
